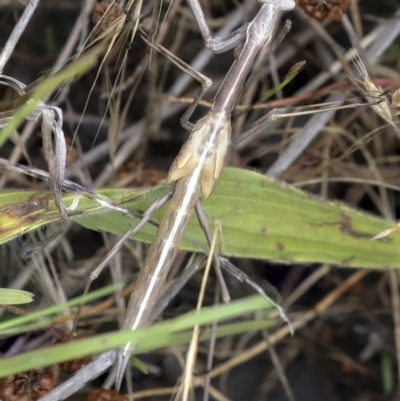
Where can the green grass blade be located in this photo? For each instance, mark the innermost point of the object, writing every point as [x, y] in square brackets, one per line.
[288, 78]
[10, 296]
[57, 308]
[156, 336]
[46, 87]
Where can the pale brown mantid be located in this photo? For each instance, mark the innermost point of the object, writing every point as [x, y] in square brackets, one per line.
[200, 161]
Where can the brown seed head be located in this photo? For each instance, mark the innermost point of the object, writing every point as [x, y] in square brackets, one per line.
[75, 364]
[104, 14]
[322, 9]
[28, 386]
[102, 394]
[139, 174]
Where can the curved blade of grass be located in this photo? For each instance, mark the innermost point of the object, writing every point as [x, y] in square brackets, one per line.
[156, 336]
[9, 296]
[261, 218]
[294, 70]
[47, 86]
[58, 308]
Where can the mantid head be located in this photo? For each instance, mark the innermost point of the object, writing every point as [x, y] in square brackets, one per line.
[282, 5]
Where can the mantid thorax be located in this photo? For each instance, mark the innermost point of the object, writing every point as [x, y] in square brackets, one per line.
[204, 148]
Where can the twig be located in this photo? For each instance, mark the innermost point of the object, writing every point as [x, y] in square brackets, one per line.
[17, 32]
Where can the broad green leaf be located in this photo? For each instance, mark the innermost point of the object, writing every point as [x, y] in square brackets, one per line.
[261, 218]
[24, 211]
[9, 296]
[157, 336]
